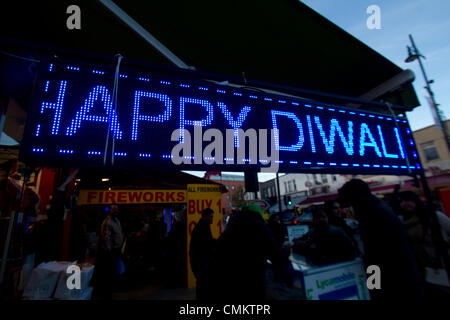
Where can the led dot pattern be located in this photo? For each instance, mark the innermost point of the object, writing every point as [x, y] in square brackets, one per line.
[309, 136]
[137, 116]
[56, 106]
[99, 93]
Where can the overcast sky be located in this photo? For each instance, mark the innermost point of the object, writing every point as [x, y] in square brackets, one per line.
[429, 23]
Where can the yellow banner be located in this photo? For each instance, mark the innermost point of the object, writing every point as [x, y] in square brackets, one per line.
[131, 196]
[200, 197]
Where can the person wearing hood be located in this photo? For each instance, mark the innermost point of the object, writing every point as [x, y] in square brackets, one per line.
[240, 261]
[385, 244]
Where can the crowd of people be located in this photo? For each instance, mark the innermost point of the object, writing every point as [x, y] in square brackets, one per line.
[146, 250]
[237, 259]
[399, 236]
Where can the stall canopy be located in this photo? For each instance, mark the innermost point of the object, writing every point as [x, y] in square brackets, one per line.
[138, 179]
[279, 45]
[281, 42]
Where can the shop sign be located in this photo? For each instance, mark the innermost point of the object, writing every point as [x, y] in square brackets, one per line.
[73, 121]
[343, 281]
[131, 196]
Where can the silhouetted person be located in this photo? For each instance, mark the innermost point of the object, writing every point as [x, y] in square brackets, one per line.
[334, 213]
[78, 236]
[156, 229]
[241, 258]
[417, 222]
[200, 252]
[417, 225]
[385, 243]
[325, 244]
[111, 240]
[277, 228]
[176, 251]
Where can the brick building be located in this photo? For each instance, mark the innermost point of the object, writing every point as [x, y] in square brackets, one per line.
[232, 182]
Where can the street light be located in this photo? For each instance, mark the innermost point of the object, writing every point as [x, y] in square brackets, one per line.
[414, 54]
[411, 56]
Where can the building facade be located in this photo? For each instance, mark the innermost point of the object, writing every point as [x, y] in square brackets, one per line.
[234, 184]
[309, 184]
[433, 150]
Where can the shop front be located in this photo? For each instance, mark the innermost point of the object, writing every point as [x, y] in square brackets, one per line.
[132, 127]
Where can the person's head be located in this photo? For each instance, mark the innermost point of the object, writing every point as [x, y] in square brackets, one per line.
[320, 218]
[252, 211]
[208, 215]
[352, 191]
[114, 210]
[332, 208]
[409, 202]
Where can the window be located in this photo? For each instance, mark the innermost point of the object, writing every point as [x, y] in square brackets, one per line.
[295, 186]
[228, 196]
[316, 179]
[430, 151]
[233, 187]
[334, 178]
[324, 178]
[285, 187]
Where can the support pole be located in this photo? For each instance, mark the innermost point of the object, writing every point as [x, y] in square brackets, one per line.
[434, 105]
[6, 247]
[144, 34]
[279, 196]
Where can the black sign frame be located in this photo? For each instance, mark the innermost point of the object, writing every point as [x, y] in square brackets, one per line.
[49, 71]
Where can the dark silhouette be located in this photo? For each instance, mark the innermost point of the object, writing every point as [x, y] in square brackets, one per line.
[78, 236]
[241, 258]
[111, 240]
[200, 252]
[156, 229]
[385, 243]
[333, 210]
[417, 225]
[325, 244]
[176, 251]
[416, 220]
[277, 228]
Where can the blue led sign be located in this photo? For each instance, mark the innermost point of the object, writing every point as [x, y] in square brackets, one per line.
[73, 109]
